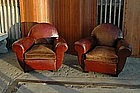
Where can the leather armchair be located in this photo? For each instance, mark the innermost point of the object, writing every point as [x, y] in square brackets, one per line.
[105, 51]
[42, 49]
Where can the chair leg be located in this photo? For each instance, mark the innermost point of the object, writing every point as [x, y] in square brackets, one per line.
[85, 71]
[114, 75]
[53, 70]
[26, 70]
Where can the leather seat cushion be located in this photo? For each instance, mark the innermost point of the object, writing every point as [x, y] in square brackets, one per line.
[102, 54]
[40, 51]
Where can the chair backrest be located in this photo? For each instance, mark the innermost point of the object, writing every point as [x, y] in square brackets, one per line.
[43, 30]
[107, 34]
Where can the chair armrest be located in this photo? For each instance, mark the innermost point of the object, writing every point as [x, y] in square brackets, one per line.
[123, 48]
[60, 47]
[21, 46]
[84, 45]
[60, 44]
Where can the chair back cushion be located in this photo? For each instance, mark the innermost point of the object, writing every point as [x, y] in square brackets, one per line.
[43, 30]
[106, 34]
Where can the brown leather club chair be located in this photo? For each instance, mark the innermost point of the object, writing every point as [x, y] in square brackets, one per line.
[42, 49]
[105, 51]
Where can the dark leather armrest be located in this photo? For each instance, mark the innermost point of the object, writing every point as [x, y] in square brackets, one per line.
[20, 46]
[60, 47]
[60, 44]
[84, 45]
[123, 48]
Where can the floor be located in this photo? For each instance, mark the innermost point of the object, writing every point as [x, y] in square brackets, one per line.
[69, 78]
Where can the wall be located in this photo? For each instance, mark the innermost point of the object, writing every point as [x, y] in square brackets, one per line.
[74, 19]
[131, 25]
[35, 11]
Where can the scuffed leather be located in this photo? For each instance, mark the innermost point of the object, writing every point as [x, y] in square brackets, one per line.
[47, 30]
[41, 51]
[60, 47]
[102, 54]
[84, 45]
[41, 33]
[107, 35]
[123, 48]
[21, 46]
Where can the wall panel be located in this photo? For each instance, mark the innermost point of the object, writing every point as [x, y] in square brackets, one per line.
[74, 19]
[67, 13]
[131, 25]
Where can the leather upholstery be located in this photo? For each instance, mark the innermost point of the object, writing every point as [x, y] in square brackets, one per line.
[106, 34]
[42, 49]
[105, 51]
[102, 54]
[47, 30]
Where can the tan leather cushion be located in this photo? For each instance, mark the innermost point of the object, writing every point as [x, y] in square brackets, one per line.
[40, 51]
[106, 34]
[102, 54]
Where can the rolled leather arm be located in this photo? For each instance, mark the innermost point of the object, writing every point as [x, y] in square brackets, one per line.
[123, 48]
[60, 43]
[84, 45]
[60, 47]
[20, 46]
